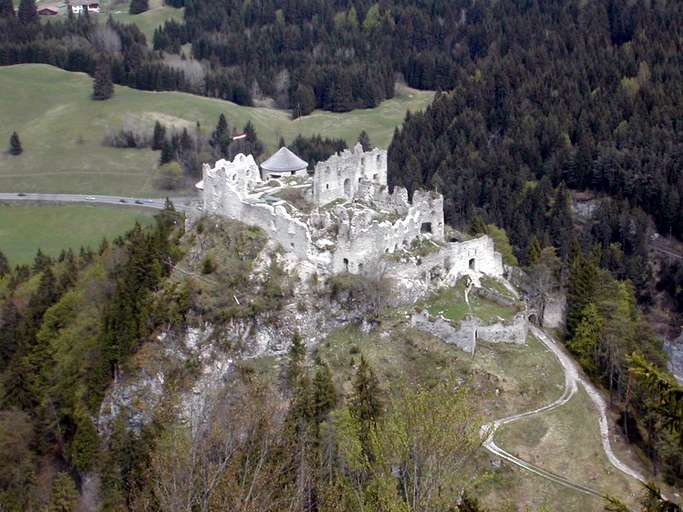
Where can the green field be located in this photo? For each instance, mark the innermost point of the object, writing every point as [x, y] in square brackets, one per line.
[26, 228]
[147, 21]
[62, 129]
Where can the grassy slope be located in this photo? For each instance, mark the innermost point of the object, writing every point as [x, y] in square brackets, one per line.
[24, 229]
[510, 379]
[62, 129]
[147, 21]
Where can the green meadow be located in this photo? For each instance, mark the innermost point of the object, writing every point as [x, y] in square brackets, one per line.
[26, 228]
[62, 129]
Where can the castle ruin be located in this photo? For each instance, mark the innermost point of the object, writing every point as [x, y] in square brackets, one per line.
[343, 218]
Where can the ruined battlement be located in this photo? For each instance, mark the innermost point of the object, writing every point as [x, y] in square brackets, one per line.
[344, 218]
[341, 176]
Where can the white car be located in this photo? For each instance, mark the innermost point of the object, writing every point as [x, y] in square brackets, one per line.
[90, 198]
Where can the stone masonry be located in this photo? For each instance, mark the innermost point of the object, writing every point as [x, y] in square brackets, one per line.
[344, 219]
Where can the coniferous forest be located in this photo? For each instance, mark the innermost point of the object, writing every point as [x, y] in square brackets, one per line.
[537, 101]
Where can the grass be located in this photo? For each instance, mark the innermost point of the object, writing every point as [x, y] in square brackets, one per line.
[509, 379]
[147, 21]
[450, 303]
[24, 229]
[567, 442]
[62, 129]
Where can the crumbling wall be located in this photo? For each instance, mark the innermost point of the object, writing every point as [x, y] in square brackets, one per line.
[478, 255]
[554, 310]
[462, 335]
[363, 238]
[514, 331]
[340, 176]
[241, 175]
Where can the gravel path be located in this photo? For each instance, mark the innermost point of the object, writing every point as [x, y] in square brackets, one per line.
[572, 380]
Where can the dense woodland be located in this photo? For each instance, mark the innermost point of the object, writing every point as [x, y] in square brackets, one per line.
[539, 99]
[590, 102]
[72, 326]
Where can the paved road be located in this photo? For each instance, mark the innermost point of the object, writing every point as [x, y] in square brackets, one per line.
[181, 203]
[572, 379]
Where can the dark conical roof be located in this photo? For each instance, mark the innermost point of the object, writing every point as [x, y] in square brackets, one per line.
[284, 161]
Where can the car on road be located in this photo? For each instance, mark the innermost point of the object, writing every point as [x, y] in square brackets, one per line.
[90, 198]
[21, 194]
[122, 201]
[139, 202]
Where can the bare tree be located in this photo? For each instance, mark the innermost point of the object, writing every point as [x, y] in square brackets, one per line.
[105, 39]
[192, 69]
[221, 457]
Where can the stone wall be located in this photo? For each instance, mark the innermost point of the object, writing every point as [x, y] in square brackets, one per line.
[554, 310]
[340, 176]
[467, 333]
[515, 331]
[462, 335]
[362, 238]
[478, 254]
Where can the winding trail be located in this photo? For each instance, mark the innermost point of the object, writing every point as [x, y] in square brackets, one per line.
[572, 380]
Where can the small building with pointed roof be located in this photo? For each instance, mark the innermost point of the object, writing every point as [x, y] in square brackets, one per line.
[283, 163]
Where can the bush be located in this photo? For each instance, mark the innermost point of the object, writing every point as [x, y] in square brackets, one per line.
[169, 176]
[208, 266]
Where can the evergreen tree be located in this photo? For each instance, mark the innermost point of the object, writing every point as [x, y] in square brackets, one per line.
[296, 357]
[15, 145]
[41, 262]
[365, 405]
[167, 153]
[534, 251]
[4, 265]
[64, 496]
[584, 344]
[103, 87]
[27, 13]
[6, 9]
[253, 145]
[138, 6]
[220, 138]
[478, 226]
[582, 275]
[364, 140]
[561, 225]
[159, 136]
[324, 394]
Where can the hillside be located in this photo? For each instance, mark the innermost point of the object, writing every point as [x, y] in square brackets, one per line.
[214, 340]
[62, 129]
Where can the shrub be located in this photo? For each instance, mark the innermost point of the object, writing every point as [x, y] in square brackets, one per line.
[208, 266]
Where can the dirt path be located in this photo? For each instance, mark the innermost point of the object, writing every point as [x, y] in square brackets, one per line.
[572, 380]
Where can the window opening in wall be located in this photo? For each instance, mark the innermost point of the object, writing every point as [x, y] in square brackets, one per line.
[426, 227]
[472, 264]
[359, 179]
[379, 158]
[346, 264]
[374, 177]
[347, 187]
[327, 186]
[360, 268]
[293, 173]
